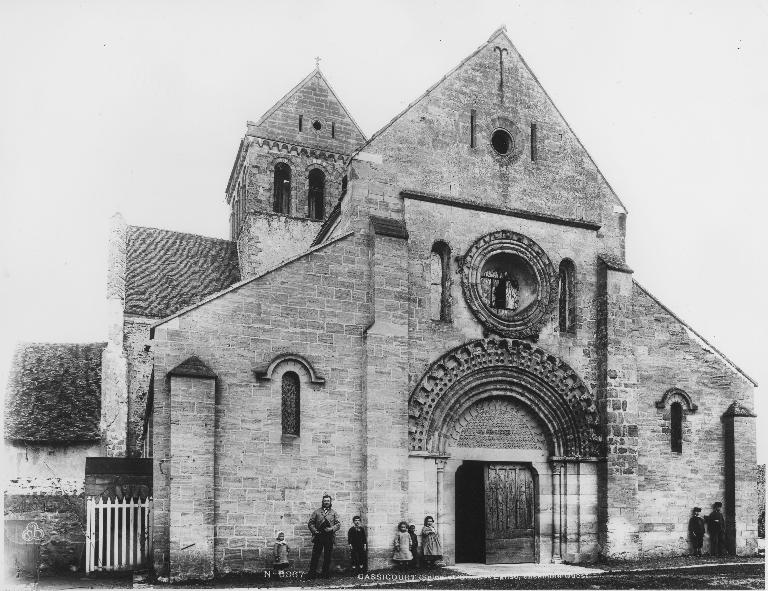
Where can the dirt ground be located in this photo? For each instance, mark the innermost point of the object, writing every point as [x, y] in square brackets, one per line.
[666, 573]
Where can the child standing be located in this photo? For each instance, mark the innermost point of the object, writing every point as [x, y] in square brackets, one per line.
[358, 546]
[414, 545]
[402, 545]
[431, 550]
[281, 552]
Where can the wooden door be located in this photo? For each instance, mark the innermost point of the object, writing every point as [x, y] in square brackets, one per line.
[509, 514]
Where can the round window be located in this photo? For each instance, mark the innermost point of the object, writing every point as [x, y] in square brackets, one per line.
[317, 125]
[502, 142]
[509, 284]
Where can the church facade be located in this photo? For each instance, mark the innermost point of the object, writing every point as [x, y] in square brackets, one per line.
[436, 320]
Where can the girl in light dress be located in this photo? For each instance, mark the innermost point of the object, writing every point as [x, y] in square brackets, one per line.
[431, 550]
[402, 545]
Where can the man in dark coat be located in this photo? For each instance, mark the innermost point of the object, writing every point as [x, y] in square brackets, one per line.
[716, 526]
[696, 531]
[324, 523]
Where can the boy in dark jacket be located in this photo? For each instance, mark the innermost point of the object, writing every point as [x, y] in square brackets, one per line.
[414, 545]
[358, 546]
[696, 531]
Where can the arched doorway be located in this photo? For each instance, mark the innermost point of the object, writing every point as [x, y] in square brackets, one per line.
[509, 435]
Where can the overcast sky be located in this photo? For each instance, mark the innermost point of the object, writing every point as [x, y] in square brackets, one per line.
[139, 107]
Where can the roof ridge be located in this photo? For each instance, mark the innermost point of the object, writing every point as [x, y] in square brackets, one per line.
[181, 232]
[423, 95]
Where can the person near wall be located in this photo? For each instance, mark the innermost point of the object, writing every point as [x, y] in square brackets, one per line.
[431, 550]
[323, 523]
[281, 553]
[696, 531]
[716, 526]
[414, 545]
[358, 546]
[402, 545]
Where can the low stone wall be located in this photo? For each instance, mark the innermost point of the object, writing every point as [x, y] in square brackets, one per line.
[58, 523]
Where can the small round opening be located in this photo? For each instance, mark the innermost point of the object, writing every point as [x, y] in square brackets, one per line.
[317, 125]
[501, 141]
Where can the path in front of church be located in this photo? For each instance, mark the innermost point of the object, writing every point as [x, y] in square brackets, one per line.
[669, 573]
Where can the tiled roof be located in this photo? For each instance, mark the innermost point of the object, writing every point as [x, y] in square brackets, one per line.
[166, 271]
[54, 393]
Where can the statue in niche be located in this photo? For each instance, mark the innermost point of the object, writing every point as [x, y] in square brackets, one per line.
[500, 289]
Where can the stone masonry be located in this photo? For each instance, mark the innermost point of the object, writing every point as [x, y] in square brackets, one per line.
[347, 303]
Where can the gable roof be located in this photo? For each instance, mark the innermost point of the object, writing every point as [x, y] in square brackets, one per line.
[54, 393]
[298, 88]
[501, 32]
[166, 271]
[311, 102]
[704, 343]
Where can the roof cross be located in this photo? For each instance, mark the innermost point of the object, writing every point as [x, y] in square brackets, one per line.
[317, 62]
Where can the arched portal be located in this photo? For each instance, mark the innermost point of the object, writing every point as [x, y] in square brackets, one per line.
[504, 424]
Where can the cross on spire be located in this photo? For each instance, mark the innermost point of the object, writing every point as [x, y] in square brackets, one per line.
[317, 62]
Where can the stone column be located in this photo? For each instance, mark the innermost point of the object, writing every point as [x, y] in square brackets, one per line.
[740, 480]
[557, 513]
[440, 464]
[192, 404]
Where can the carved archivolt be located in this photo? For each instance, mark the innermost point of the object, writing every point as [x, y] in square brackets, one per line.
[490, 368]
[676, 395]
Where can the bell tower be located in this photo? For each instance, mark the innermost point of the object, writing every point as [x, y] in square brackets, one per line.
[288, 174]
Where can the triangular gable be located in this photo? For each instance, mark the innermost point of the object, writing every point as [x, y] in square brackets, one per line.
[571, 185]
[315, 100]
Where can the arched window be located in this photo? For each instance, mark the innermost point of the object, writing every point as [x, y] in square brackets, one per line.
[440, 282]
[291, 397]
[676, 426]
[567, 296]
[282, 188]
[316, 194]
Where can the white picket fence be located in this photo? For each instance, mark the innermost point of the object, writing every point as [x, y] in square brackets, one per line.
[118, 534]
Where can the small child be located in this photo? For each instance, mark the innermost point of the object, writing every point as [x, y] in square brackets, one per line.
[358, 546]
[414, 545]
[431, 550]
[281, 552]
[402, 546]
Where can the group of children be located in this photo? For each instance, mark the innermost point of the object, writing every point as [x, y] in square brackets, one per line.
[406, 546]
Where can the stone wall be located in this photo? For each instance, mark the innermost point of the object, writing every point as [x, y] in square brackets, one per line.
[139, 371]
[60, 521]
[428, 147]
[45, 486]
[314, 101]
[315, 307]
[670, 484]
[261, 161]
[267, 239]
